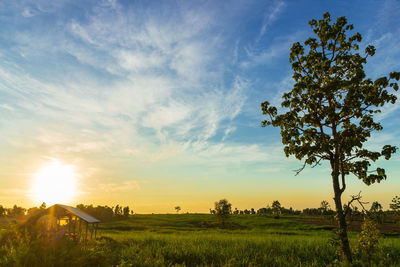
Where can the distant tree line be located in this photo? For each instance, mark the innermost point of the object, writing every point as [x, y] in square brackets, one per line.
[106, 213]
[14, 212]
[223, 208]
[103, 213]
[277, 209]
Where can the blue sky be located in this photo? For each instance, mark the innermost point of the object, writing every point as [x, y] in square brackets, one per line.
[158, 103]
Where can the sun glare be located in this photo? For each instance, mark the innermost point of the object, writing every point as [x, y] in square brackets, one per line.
[54, 183]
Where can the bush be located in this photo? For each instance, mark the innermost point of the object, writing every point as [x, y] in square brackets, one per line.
[18, 247]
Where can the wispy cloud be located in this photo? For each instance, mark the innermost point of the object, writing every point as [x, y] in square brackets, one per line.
[274, 52]
[111, 85]
[270, 16]
[166, 88]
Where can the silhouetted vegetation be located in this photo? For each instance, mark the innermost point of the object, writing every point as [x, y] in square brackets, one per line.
[106, 213]
[242, 237]
[197, 240]
[222, 210]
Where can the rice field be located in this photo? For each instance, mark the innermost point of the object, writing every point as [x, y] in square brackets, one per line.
[249, 240]
[199, 240]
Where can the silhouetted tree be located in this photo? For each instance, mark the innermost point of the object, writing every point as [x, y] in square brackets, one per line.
[222, 210]
[375, 207]
[376, 211]
[328, 114]
[276, 208]
[178, 209]
[43, 206]
[32, 211]
[126, 211]
[16, 211]
[103, 213]
[118, 210]
[2, 211]
[324, 206]
[395, 205]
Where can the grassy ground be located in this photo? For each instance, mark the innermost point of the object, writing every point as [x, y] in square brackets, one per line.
[246, 240]
[199, 240]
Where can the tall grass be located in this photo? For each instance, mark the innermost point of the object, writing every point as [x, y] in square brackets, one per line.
[191, 240]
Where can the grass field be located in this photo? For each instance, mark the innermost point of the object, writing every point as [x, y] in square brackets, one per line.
[249, 240]
[199, 240]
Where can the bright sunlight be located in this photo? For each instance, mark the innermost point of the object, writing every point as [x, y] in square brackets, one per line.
[54, 183]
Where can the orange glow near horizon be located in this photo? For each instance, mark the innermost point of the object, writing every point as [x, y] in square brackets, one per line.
[54, 183]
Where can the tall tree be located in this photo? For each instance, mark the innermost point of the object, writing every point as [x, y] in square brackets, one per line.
[329, 113]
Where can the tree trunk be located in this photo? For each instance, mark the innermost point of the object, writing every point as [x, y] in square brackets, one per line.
[341, 218]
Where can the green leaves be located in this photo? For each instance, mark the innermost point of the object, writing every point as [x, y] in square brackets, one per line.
[332, 104]
[388, 150]
[370, 50]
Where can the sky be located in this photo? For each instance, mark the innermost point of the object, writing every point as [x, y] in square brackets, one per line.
[155, 104]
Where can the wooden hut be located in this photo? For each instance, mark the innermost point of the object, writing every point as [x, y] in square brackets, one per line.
[70, 221]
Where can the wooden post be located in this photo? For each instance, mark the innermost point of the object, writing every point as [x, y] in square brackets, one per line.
[74, 227]
[69, 225]
[95, 230]
[91, 231]
[80, 229]
[86, 231]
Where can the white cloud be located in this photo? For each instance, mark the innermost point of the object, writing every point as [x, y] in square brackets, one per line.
[270, 17]
[157, 65]
[228, 131]
[7, 107]
[166, 99]
[277, 48]
[27, 13]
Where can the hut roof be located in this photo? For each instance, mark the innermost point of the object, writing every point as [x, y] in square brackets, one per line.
[77, 212]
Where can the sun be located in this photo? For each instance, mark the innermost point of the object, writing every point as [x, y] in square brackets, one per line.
[54, 183]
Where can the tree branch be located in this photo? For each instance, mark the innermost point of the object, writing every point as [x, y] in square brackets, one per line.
[356, 198]
[300, 169]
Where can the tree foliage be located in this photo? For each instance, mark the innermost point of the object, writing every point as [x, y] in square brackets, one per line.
[376, 207]
[395, 205]
[368, 239]
[103, 213]
[223, 209]
[331, 108]
[324, 206]
[276, 207]
[126, 211]
[2, 211]
[16, 211]
[329, 113]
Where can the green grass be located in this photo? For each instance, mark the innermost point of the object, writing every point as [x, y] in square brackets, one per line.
[199, 240]
[196, 239]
